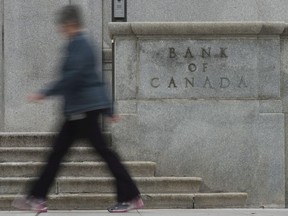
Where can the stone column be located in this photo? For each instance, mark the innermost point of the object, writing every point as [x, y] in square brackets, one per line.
[203, 99]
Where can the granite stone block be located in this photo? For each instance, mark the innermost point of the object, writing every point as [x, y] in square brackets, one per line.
[271, 106]
[284, 73]
[206, 10]
[228, 143]
[125, 73]
[126, 106]
[268, 65]
[203, 68]
[126, 131]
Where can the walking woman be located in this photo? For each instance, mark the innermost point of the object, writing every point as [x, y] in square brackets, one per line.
[85, 99]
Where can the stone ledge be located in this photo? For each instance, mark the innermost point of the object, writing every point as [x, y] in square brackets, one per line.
[197, 28]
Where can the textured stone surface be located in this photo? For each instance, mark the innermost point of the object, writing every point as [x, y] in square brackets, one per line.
[31, 55]
[228, 143]
[192, 126]
[196, 28]
[125, 73]
[284, 73]
[39, 139]
[250, 70]
[271, 106]
[220, 200]
[199, 10]
[36, 154]
[145, 184]
[206, 10]
[84, 169]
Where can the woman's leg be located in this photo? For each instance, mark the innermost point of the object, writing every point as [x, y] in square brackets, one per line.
[126, 188]
[62, 143]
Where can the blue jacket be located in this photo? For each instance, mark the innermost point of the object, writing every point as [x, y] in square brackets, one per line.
[80, 84]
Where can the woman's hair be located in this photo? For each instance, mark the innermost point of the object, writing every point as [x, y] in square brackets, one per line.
[70, 14]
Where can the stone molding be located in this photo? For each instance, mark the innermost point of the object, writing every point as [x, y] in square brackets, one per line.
[197, 28]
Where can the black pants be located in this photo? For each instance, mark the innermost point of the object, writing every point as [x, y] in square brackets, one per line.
[71, 130]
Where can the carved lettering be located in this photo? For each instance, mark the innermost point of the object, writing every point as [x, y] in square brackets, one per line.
[192, 67]
[155, 82]
[242, 83]
[224, 82]
[172, 82]
[188, 54]
[205, 65]
[223, 52]
[206, 53]
[190, 82]
[207, 81]
[172, 53]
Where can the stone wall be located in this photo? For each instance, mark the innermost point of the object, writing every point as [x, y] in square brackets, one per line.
[31, 54]
[200, 10]
[204, 99]
[159, 111]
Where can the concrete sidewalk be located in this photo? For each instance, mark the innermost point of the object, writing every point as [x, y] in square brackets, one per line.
[166, 212]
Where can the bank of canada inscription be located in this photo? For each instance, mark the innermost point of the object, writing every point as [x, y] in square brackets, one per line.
[222, 82]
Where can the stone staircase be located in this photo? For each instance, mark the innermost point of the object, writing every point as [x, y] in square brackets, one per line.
[85, 183]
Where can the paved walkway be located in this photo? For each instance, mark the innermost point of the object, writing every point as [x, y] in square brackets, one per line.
[153, 212]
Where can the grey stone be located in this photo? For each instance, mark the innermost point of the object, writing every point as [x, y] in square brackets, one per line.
[124, 140]
[250, 70]
[84, 169]
[220, 200]
[271, 106]
[211, 139]
[126, 107]
[196, 28]
[107, 55]
[39, 139]
[145, 184]
[125, 73]
[271, 134]
[268, 67]
[31, 53]
[284, 73]
[205, 10]
[39, 154]
[18, 185]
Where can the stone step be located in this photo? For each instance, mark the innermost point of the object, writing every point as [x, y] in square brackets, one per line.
[105, 185]
[39, 139]
[76, 169]
[39, 154]
[152, 200]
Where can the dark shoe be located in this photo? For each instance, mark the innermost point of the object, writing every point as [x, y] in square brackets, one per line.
[127, 206]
